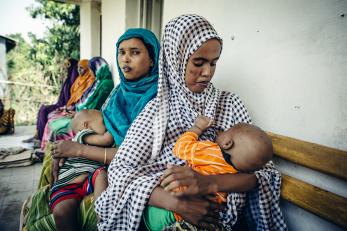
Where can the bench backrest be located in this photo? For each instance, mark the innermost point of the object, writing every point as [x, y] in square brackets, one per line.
[321, 158]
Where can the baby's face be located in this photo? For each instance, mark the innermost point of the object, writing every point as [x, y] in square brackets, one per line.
[244, 147]
[98, 126]
[232, 143]
[225, 139]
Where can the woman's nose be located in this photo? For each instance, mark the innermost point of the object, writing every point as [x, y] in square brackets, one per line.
[206, 71]
[125, 58]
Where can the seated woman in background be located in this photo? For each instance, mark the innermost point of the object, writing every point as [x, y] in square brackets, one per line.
[95, 96]
[6, 120]
[64, 96]
[58, 120]
[137, 62]
[60, 129]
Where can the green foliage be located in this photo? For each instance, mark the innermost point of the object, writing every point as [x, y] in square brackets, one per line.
[61, 40]
[30, 88]
[17, 58]
[39, 63]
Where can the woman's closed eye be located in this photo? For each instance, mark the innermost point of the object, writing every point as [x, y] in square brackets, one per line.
[200, 63]
[214, 63]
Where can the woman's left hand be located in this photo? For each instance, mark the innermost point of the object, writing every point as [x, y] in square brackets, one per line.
[65, 148]
[194, 183]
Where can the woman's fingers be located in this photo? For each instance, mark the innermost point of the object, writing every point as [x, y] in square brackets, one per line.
[61, 162]
[174, 173]
[196, 184]
[170, 169]
[198, 187]
[55, 169]
[56, 149]
[209, 224]
[199, 211]
[53, 151]
[211, 220]
[178, 186]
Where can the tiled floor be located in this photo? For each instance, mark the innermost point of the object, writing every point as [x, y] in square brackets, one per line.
[16, 184]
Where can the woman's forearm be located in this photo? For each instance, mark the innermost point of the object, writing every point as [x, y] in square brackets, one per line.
[162, 199]
[101, 140]
[97, 153]
[240, 182]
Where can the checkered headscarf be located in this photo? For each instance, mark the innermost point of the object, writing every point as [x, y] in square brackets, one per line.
[182, 37]
[147, 149]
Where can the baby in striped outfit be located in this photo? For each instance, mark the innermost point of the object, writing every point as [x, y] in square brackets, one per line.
[79, 177]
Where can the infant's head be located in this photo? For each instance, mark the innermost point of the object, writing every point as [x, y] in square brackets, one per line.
[247, 145]
[88, 119]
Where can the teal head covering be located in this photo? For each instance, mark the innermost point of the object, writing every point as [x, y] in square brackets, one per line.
[130, 97]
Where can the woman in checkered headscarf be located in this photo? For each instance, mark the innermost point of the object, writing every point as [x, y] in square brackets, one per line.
[145, 167]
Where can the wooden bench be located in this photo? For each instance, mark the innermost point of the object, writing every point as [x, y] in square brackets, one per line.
[320, 158]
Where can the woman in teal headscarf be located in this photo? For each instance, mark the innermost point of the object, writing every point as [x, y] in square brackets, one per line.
[137, 62]
[131, 96]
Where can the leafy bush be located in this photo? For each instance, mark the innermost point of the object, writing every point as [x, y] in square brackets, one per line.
[36, 68]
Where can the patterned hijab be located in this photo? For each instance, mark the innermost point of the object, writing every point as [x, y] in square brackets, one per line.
[96, 63]
[82, 83]
[92, 65]
[190, 32]
[129, 98]
[147, 148]
[65, 94]
[95, 96]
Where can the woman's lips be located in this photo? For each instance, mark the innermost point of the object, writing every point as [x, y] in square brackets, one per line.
[126, 69]
[203, 84]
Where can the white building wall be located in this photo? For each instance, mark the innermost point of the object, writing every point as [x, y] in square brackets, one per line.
[113, 26]
[287, 60]
[89, 29]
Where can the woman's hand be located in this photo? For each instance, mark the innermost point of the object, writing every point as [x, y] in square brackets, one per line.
[66, 148]
[192, 182]
[199, 211]
[56, 164]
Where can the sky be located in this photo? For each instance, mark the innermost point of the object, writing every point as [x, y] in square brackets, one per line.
[14, 18]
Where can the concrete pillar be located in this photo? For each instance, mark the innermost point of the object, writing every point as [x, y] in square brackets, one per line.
[90, 42]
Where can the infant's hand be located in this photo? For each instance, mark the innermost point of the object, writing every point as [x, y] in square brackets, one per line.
[203, 122]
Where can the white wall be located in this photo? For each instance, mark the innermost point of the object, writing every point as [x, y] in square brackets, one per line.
[113, 26]
[287, 60]
[89, 29]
